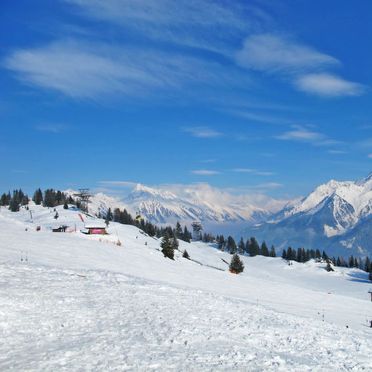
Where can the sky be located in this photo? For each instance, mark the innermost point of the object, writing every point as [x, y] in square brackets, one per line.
[253, 96]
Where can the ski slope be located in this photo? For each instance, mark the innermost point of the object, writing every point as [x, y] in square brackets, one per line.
[82, 302]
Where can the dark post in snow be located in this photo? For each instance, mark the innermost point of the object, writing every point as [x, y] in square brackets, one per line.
[370, 292]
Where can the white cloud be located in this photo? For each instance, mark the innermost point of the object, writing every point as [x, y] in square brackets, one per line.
[202, 24]
[369, 156]
[300, 133]
[118, 183]
[324, 84]
[51, 128]
[203, 132]
[337, 152]
[272, 53]
[253, 171]
[83, 70]
[299, 63]
[205, 172]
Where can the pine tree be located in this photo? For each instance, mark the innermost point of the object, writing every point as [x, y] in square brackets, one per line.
[167, 247]
[221, 242]
[284, 255]
[236, 265]
[65, 205]
[367, 264]
[175, 243]
[231, 245]
[272, 251]
[14, 205]
[264, 249]
[186, 255]
[197, 230]
[329, 267]
[253, 247]
[178, 231]
[241, 246]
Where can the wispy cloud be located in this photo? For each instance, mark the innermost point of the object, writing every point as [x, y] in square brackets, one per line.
[304, 134]
[301, 134]
[90, 70]
[205, 172]
[200, 24]
[324, 84]
[272, 53]
[51, 128]
[303, 65]
[369, 156]
[253, 171]
[118, 183]
[203, 132]
[337, 152]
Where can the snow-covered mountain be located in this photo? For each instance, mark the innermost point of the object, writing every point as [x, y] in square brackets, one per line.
[186, 204]
[336, 216]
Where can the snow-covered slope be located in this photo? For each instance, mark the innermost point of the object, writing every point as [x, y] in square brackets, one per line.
[69, 301]
[336, 216]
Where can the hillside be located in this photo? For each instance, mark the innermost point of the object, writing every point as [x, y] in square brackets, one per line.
[83, 302]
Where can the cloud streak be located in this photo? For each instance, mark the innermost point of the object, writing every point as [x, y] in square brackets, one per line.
[205, 172]
[90, 70]
[203, 132]
[271, 53]
[302, 65]
[328, 85]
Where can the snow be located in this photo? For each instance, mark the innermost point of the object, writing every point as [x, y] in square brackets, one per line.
[85, 303]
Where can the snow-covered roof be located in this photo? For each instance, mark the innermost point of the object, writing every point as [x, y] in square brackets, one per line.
[95, 225]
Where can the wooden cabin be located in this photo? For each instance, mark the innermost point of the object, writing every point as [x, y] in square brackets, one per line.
[94, 228]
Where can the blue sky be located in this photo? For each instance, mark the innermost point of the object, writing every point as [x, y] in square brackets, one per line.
[258, 96]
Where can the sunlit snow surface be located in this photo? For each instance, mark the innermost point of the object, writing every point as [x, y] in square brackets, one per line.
[79, 303]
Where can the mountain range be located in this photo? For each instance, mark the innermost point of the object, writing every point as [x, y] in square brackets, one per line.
[336, 216]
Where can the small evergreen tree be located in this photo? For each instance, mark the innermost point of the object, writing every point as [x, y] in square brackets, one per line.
[167, 247]
[13, 205]
[236, 265]
[186, 255]
[241, 246]
[231, 245]
[65, 205]
[264, 250]
[329, 267]
[253, 247]
[272, 251]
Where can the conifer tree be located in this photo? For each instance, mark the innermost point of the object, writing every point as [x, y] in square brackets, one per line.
[241, 246]
[178, 231]
[231, 245]
[284, 255]
[221, 242]
[236, 265]
[38, 197]
[186, 255]
[253, 247]
[272, 251]
[167, 247]
[14, 205]
[264, 249]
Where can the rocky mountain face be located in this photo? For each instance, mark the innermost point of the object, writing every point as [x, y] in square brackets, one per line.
[336, 216]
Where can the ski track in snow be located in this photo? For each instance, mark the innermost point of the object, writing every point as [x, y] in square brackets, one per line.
[54, 319]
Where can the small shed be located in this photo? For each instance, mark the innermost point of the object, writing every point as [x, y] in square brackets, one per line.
[94, 228]
[61, 228]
